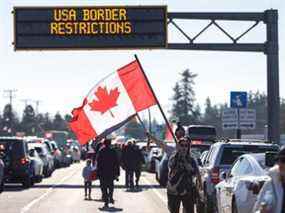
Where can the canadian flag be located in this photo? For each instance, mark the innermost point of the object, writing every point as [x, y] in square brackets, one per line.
[114, 100]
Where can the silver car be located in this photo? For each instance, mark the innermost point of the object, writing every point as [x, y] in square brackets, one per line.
[238, 191]
[219, 160]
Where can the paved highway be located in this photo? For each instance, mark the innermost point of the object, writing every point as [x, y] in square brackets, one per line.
[64, 193]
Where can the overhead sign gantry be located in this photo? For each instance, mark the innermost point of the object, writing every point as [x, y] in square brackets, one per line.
[40, 28]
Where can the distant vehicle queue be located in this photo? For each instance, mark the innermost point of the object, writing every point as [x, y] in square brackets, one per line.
[27, 160]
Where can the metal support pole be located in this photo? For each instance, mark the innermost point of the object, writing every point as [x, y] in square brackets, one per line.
[273, 99]
[238, 129]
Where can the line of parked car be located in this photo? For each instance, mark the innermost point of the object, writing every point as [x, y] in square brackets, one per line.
[27, 160]
[232, 171]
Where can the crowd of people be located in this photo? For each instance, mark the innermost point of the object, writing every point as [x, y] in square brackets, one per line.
[105, 166]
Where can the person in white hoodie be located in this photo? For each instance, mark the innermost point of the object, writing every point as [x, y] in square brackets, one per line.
[271, 198]
[86, 174]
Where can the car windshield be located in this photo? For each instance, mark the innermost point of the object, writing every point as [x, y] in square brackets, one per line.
[231, 153]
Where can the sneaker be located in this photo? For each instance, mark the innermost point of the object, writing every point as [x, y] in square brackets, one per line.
[89, 197]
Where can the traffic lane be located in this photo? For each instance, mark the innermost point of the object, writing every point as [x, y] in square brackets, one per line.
[15, 198]
[69, 197]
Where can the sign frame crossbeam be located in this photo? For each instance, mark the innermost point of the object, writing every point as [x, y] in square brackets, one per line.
[269, 48]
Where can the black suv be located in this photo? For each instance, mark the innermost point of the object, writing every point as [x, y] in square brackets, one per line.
[16, 159]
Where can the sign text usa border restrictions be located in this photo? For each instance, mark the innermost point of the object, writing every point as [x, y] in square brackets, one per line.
[106, 27]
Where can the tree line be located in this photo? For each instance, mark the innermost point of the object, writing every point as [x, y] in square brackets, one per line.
[186, 110]
[31, 123]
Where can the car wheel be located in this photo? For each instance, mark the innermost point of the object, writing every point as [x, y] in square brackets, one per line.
[1, 186]
[27, 183]
[234, 207]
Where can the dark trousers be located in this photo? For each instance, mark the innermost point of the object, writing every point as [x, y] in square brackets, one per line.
[107, 187]
[129, 178]
[138, 175]
[87, 187]
[175, 200]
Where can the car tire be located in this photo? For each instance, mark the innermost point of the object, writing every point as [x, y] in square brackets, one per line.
[1, 186]
[27, 182]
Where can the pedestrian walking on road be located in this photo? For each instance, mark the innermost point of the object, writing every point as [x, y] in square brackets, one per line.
[108, 170]
[182, 168]
[139, 161]
[271, 198]
[86, 174]
[129, 157]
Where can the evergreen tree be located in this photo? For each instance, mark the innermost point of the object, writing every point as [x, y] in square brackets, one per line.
[134, 130]
[258, 101]
[47, 123]
[67, 118]
[177, 109]
[40, 120]
[9, 124]
[59, 123]
[211, 115]
[184, 108]
[28, 124]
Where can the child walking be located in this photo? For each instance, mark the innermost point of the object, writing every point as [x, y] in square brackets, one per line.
[86, 174]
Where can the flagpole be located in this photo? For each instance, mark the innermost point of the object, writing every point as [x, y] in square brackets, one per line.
[158, 104]
[149, 120]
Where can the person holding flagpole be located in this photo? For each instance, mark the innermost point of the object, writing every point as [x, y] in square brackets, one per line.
[182, 167]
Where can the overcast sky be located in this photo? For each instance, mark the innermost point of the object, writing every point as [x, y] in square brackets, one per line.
[61, 79]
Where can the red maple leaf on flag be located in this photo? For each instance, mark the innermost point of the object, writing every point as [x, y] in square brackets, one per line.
[105, 101]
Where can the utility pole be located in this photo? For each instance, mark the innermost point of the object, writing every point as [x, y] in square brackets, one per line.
[10, 93]
[37, 102]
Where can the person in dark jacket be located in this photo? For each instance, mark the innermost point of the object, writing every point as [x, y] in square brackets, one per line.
[107, 170]
[139, 160]
[129, 164]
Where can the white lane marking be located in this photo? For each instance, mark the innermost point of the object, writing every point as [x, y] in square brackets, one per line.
[33, 202]
[156, 191]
